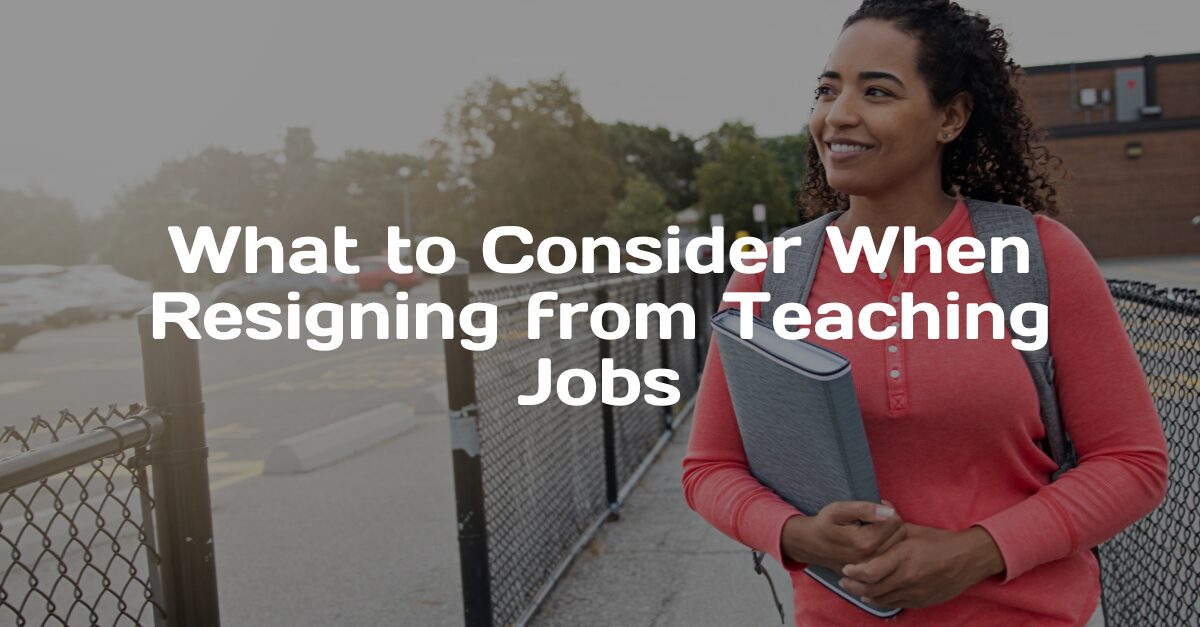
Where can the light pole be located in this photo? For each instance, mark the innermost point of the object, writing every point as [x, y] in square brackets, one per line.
[403, 173]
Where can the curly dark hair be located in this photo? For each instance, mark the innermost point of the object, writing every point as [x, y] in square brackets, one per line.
[997, 157]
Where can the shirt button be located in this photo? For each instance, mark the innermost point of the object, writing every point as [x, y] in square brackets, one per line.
[895, 374]
[895, 324]
[893, 348]
[895, 299]
[883, 275]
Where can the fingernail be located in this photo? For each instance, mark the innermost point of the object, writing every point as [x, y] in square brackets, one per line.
[866, 600]
[845, 571]
[882, 511]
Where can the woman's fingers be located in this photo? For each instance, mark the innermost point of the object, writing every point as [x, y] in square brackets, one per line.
[876, 577]
[848, 512]
[898, 536]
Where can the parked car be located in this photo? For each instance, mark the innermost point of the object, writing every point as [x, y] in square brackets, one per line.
[374, 275]
[17, 322]
[264, 287]
[107, 292]
[58, 306]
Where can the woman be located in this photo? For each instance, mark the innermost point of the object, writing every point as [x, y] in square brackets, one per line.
[917, 102]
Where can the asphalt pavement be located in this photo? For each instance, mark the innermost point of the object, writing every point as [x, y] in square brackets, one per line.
[368, 540]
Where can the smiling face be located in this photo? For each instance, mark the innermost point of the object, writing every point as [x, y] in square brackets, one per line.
[873, 120]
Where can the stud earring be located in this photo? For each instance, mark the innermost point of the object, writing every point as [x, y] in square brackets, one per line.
[945, 135]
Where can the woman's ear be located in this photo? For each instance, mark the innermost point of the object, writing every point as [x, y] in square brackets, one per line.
[955, 116]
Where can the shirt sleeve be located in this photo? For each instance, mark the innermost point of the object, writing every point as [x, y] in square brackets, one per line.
[717, 482]
[1108, 412]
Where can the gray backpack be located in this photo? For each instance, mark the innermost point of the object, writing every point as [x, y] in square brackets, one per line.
[1009, 289]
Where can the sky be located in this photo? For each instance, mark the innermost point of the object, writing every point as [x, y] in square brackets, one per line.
[97, 94]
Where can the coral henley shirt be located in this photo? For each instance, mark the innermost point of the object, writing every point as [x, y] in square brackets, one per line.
[953, 427]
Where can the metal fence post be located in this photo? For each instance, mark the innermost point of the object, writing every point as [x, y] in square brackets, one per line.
[611, 488]
[664, 346]
[179, 463]
[454, 291]
[701, 338]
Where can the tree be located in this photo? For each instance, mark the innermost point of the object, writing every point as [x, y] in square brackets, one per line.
[668, 161]
[643, 211]
[216, 187]
[744, 174]
[137, 243]
[530, 156]
[716, 141]
[791, 151]
[36, 227]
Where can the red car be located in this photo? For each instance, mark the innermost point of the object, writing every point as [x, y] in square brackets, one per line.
[374, 275]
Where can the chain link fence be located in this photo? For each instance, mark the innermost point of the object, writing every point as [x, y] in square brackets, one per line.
[81, 542]
[551, 474]
[1150, 573]
[105, 517]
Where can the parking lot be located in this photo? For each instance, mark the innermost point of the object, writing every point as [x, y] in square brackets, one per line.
[377, 529]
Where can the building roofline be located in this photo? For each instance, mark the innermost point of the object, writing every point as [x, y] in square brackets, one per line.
[1122, 128]
[1193, 57]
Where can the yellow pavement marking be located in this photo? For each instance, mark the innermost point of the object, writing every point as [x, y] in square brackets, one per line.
[13, 387]
[238, 471]
[262, 376]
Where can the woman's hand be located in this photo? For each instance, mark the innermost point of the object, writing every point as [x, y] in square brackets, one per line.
[928, 567]
[837, 535]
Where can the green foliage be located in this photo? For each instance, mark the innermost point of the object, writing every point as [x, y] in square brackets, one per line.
[643, 211]
[668, 161]
[368, 194]
[363, 191]
[716, 141]
[532, 157]
[791, 151]
[744, 174]
[216, 187]
[137, 243]
[36, 227]
[527, 155]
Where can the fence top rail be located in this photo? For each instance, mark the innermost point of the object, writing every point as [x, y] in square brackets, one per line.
[104, 440]
[1182, 300]
[513, 302]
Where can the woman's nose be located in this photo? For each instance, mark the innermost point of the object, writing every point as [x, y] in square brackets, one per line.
[841, 112]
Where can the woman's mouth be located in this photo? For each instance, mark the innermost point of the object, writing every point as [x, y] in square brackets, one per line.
[839, 153]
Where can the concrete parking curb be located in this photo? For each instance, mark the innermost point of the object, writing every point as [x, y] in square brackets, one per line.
[337, 441]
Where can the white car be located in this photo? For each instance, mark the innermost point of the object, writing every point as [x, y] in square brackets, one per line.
[56, 306]
[108, 292]
[17, 321]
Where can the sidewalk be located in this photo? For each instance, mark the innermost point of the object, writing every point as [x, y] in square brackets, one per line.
[662, 565]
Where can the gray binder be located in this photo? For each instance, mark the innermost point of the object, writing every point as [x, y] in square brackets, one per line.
[798, 415]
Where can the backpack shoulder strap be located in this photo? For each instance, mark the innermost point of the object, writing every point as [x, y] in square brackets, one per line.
[1010, 289]
[794, 284]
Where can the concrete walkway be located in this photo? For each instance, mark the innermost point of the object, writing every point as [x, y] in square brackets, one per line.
[662, 565]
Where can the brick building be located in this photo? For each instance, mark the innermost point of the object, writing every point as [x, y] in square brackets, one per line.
[1128, 131]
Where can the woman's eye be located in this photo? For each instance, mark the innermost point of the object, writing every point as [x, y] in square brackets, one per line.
[878, 90]
[822, 90]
